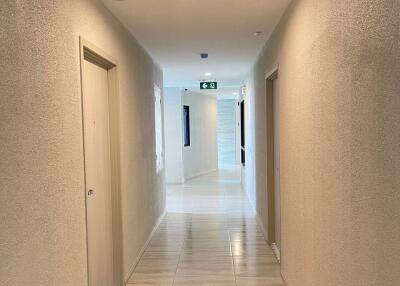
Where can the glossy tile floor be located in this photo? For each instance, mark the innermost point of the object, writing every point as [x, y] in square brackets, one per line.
[209, 237]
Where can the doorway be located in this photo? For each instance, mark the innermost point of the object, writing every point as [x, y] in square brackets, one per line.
[101, 154]
[273, 162]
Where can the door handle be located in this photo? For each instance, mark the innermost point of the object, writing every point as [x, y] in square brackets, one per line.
[90, 192]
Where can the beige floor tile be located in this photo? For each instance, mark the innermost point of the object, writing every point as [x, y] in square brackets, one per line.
[167, 257]
[198, 268]
[257, 269]
[205, 257]
[147, 283]
[151, 279]
[271, 259]
[154, 266]
[251, 249]
[208, 237]
[164, 248]
[258, 281]
[205, 280]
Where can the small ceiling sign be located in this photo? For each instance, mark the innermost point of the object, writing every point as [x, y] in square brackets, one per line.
[209, 85]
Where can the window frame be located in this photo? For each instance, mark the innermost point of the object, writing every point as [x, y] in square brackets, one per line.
[186, 125]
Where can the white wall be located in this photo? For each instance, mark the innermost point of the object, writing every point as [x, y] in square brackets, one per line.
[249, 171]
[173, 135]
[238, 130]
[202, 154]
[226, 132]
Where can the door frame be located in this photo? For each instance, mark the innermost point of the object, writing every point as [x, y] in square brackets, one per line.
[91, 53]
[270, 164]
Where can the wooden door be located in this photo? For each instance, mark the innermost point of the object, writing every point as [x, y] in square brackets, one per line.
[98, 174]
[277, 196]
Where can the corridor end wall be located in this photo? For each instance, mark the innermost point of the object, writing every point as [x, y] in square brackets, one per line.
[339, 67]
[201, 156]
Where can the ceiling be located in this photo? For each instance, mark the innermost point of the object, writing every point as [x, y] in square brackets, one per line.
[175, 32]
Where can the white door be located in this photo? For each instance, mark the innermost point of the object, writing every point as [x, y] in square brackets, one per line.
[98, 174]
[277, 164]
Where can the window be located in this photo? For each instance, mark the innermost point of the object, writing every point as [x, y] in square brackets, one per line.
[158, 128]
[186, 126]
[242, 133]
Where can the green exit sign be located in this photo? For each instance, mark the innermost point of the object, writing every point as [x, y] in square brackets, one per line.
[209, 85]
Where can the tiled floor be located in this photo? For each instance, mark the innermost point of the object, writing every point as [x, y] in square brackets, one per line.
[209, 238]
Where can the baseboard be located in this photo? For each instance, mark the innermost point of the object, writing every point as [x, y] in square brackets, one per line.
[276, 252]
[252, 205]
[284, 279]
[199, 174]
[261, 225]
[274, 247]
[174, 182]
[132, 268]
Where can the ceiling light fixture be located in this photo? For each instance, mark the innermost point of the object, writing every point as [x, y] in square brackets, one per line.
[208, 74]
[235, 93]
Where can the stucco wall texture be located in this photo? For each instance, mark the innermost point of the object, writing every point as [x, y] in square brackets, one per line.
[339, 68]
[42, 212]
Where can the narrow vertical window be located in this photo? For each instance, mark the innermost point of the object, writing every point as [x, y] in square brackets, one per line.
[186, 126]
[242, 134]
[158, 128]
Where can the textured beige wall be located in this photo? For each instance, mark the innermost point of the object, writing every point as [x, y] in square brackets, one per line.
[339, 68]
[42, 211]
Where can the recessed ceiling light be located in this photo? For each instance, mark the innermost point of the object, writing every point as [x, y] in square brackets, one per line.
[257, 33]
[208, 74]
[235, 93]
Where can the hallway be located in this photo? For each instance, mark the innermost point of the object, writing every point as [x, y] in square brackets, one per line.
[208, 237]
[119, 120]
